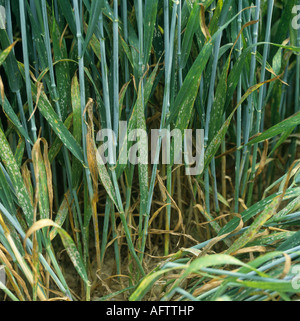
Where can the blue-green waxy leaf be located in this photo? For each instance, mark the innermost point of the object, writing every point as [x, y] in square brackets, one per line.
[256, 209]
[62, 71]
[218, 104]
[96, 8]
[284, 126]
[37, 33]
[291, 242]
[67, 11]
[192, 26]
[260, 220]
[54, 121]
[202, 262]
[284, 23]
[216, 141]
[134, 46]
[149, 24]
[185, 99]
[278, 285]
[58, 126]
[137, 109]
[181, 112]
[14, 119]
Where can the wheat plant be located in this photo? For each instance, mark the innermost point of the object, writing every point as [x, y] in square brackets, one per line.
[75, 228]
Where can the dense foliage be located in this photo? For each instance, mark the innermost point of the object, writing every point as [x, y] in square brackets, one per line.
[72, 228]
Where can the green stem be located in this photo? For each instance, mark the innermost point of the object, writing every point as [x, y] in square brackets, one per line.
[116, 70]
[260, 99]
[249, 111]
[26, 68]
[110, 152]
[239, 122]
[165, 109]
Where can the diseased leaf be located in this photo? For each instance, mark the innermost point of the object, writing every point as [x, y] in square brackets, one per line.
[13, 170]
